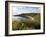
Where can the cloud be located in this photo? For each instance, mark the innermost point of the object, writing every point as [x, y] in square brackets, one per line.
[25, 9]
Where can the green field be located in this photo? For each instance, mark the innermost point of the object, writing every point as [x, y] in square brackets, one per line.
[28, 24]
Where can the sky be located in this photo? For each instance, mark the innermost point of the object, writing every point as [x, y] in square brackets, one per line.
[25, 9]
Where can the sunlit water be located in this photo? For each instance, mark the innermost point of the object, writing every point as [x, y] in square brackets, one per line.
[18, 18]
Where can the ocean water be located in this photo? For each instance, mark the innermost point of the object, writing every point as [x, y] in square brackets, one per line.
[18, 18]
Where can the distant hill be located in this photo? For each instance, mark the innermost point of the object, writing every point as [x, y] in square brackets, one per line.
[29, 14]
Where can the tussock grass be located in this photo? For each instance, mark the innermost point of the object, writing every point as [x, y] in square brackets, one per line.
[27, 24]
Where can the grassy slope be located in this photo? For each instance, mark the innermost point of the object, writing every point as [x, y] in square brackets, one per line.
[32, 25]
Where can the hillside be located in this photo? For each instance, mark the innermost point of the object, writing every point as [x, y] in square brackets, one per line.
[27, 24]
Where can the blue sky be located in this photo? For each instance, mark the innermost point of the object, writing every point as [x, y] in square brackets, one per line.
[25, 9]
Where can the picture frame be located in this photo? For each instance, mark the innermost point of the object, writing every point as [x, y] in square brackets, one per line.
[21, 8]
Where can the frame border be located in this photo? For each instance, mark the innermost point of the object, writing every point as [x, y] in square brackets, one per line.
[6, 18]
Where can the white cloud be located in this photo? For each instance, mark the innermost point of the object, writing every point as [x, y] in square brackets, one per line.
[22, 9]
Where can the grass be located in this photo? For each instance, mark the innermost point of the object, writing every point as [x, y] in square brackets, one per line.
[27, 24]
